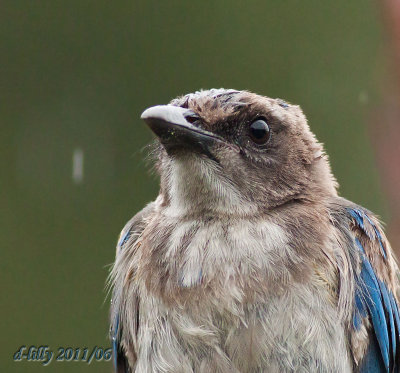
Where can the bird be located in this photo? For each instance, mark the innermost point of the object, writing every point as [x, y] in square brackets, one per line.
[248, 260]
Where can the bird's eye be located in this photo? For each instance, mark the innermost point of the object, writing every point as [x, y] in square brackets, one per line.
[259, 131]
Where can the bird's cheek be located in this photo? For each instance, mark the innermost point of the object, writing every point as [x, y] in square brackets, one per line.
[226, 153]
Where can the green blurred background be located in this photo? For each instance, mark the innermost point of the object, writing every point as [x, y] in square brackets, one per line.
[78, 74]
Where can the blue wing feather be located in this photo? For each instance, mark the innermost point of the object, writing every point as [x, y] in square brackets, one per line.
[396, 313]
[373, 298]
[124, 238]
[372, 362]
[115, 342]
[388, 306]
[119, 362]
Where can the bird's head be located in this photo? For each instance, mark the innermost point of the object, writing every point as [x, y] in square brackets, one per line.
[235, 152]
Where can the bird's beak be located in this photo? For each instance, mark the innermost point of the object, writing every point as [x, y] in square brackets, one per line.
[170, 124]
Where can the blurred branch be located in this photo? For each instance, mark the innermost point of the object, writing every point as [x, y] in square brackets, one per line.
[391, 15]
[385, 128]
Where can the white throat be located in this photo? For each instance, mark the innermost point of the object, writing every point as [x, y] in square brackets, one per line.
[198, 183]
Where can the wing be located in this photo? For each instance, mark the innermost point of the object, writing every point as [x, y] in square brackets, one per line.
[123, 344]
[376, 320]
[119, 359]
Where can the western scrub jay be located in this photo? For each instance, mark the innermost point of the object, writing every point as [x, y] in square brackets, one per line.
[248, 260]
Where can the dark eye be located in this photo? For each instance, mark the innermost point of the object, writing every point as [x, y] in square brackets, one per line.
[259, 131]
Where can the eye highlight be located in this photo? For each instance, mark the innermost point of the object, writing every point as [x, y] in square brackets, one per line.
[259, 131]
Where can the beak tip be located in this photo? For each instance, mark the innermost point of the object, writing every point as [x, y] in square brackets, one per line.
[165, 113]
[146, 114]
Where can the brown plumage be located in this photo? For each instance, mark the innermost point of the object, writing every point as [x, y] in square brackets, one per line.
[247, 260]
